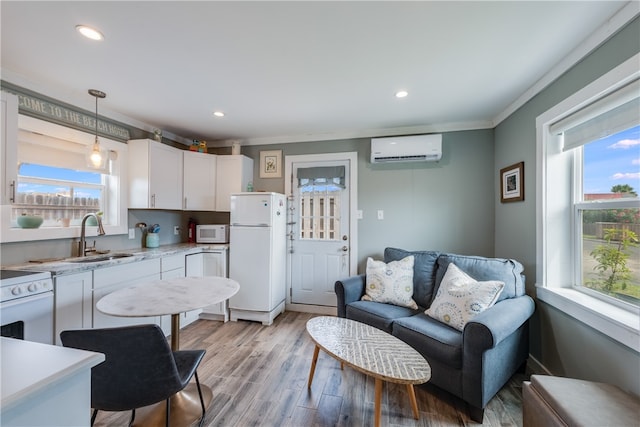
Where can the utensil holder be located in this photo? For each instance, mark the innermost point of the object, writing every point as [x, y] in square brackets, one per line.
[153, 240]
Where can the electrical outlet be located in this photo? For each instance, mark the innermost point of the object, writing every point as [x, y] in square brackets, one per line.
[176, 230]
[132, 233]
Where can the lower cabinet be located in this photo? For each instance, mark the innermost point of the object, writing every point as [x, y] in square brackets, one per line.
[110, 279]
[72, 300]
[76, 295]
[210, 263]
[174, 266]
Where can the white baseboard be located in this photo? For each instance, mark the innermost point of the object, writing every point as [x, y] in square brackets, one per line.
[315, 309]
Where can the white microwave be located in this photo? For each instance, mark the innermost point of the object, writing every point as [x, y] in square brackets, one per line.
[212, 233]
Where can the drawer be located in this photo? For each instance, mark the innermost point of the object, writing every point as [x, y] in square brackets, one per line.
[125, 272]
[172, 262]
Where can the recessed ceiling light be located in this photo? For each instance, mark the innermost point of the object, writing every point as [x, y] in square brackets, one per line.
[401, 94]
[218, 113]
[90, 33]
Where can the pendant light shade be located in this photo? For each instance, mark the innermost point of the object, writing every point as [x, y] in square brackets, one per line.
[96, 157]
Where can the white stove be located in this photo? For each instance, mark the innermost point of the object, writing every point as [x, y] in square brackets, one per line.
[26, 305]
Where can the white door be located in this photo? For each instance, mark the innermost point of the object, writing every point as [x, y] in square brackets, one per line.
[320, 244]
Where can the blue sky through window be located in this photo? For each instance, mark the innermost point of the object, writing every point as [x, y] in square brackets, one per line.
[614, 160]
[60, 174]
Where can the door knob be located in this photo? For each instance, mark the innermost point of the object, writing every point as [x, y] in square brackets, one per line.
[345, 248]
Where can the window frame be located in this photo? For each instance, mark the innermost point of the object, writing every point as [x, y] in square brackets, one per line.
[117, 202]
[557, 220]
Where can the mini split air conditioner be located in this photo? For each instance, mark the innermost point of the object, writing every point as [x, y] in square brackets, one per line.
[415, 148]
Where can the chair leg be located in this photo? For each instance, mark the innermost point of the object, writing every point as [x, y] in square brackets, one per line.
[201, 399]
[133, 417]
[93, 416]
[168, 413]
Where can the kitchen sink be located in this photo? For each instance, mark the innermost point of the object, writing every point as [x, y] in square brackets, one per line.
[99, 258]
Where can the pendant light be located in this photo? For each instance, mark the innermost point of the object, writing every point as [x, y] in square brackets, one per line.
[96, 156]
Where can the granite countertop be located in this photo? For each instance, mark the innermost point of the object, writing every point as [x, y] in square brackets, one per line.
[63, 266]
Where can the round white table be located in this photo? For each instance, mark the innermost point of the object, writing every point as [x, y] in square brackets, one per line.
[172, 296]
[160, 298]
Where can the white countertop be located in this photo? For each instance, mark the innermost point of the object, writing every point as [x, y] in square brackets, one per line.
[66, 266]
[29, 367]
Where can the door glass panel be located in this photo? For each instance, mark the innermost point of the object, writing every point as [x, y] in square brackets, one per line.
[320, 212]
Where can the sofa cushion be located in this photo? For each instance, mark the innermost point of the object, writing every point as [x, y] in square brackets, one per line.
[432, 339]
[377, 314]
[460, 298]
[424, 269]
[483, 269]
[390, 282]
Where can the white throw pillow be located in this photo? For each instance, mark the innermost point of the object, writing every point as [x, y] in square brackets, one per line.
[460, 298]
[390, 283]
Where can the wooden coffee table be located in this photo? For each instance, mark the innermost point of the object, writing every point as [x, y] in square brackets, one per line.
[370, 351]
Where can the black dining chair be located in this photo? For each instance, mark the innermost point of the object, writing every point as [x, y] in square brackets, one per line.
[139, 368]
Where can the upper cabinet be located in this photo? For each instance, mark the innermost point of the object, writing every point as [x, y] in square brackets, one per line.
[8, 144]
[199, 181]
[233, 174]
[155, 175]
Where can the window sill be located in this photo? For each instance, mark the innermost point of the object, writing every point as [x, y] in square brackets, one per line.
[618, 324]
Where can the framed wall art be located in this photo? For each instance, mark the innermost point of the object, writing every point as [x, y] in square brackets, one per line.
[512, 183]
[271, 164]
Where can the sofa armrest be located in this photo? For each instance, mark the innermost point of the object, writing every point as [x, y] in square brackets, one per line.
[493, 325]
[349, 290]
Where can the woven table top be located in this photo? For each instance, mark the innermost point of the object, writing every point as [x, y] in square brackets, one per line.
[369, 350]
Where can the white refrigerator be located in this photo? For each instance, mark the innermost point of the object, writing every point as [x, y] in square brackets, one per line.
[257, 256]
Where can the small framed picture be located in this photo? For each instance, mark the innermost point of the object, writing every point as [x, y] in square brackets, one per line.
[512, 183]
[271, 164]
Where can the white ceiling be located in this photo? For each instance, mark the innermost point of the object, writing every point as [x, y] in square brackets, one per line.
[295, 71]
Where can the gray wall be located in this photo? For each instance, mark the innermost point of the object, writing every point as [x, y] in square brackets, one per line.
[447, 206]
[560, 343]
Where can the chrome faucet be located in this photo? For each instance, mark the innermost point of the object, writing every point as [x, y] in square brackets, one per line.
[82, 244]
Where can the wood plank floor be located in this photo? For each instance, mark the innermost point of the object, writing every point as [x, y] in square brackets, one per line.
[258, 375]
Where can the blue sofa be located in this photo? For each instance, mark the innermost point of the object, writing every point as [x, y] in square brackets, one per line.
[473, 364]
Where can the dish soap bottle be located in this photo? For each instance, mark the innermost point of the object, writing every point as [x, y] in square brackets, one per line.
[250, 187]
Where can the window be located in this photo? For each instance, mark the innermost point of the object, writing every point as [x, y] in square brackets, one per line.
[61, 196]
[53, 180]
[320, 194]
[588, 207]
[608, 223]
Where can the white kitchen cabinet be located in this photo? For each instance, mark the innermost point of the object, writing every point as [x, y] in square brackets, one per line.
[211, 262]
[8, 144]
[155, 175]
[233, 174]
[110, 279]
[174, 266]
[72, 301]
[199, 184]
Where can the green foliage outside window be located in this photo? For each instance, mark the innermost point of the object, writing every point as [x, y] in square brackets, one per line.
[613, 273]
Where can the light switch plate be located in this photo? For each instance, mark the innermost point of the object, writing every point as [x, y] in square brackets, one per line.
[176, 230]
[380, 214]
[132, 233]
[359, 214]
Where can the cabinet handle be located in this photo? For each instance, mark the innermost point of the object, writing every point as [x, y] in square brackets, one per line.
[153, 200]
[12, 198]
[185, 203]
